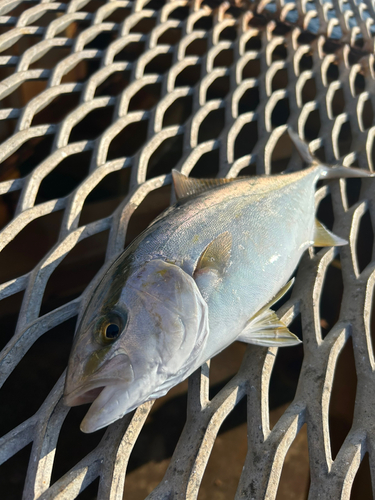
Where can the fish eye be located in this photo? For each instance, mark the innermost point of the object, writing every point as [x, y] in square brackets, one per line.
[112, 327]
[112, 331]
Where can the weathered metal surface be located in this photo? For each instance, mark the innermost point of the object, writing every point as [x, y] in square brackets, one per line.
[247, 71]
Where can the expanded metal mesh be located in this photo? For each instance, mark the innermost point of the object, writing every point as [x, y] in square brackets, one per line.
[206, 88]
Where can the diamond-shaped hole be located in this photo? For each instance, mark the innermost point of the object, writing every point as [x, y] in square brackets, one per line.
[189, 76]
[13, 472]
[90, 492]
[207, 165]
[9, 309]
[362, 482]
[345, 139]
[352, 190]
[281, 154]
[280, 80]
[57, 109]
[35, 375]
[197, 47]
[295, 474]
[365, 242]
[51, 58]
[338, 102]
[130, 52]
[65, 177]
[342, 401]
[249, 100]
[38, 238]
[106, 196]
[170, 37]
[92, 125]
[309, 91]
[246, 140]
[280, 113]
[325, 213]
[166, 157]
[204, 23]
[253, 43]
[75, 272]
[118, 16]
[180, 13]
[179, 111]
[153, 205]
[367, 114]
[159, 64]
[330, 297]
[312, 125]
[306, 62]
[128, 141]
[228, 33]
[144, 26]
[145, 98]
[8, 204]
[102, 40]
[212, 125]
[114, 84]
[279, 53]
[219, 88]
[251, 69]
[359, 83]
[224, 59]
[332, 73]
[81, 71]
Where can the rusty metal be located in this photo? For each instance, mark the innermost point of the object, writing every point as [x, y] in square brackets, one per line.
[254, 67]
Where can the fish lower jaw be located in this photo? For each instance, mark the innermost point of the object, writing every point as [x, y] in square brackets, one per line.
[87, 393]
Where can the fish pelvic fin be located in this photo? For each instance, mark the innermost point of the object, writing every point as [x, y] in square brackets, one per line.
[324, 238]
[266, 329]
[185, 187]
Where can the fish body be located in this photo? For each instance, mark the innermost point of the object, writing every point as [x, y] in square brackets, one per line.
[198, 278]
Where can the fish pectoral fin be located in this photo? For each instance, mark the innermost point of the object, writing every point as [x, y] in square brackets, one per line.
[188, 186]
[216, 255]
[268, 330]
[324, 238]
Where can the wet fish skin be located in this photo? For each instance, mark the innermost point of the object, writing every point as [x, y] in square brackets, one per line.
[189, 286]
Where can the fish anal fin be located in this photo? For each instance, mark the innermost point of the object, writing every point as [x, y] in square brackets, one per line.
[188, 186]
[324, 238]
[216, 255]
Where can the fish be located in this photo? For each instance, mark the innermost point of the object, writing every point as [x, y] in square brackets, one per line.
[204, 274]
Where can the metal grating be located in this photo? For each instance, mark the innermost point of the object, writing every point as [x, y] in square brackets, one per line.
[211, 86]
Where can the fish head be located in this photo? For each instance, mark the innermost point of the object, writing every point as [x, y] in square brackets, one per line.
[139, 335]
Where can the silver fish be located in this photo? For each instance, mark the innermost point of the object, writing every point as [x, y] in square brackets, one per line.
[201, 276]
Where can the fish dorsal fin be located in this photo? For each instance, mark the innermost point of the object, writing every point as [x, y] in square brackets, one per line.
[266, 329]
[216, 255]
[324, 238]
[301, 147]
[188, 186]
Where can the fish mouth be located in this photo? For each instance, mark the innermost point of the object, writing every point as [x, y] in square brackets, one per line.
[87, 393]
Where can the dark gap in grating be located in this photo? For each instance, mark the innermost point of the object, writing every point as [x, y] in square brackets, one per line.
[90, 492]
[30, 154]
[212, 125]
[188, 76]
[249, 171]
[309, 91]
[114, 84]
[254, 43]
[281, 154]
[13, 473]
[9, 309]
[128, 141]
[73, 444]
[144, 26]
[367, 114]
[359, 83]
[251, 69]
[8, 128]
[56, 110]
[249, 100]
[102, 40]
[325, 213]
[170, 36]
[75, 272]
[81, 71]
[51, 59]
[118, 16]
[106, 196]
[224, 59]
[35, 375]
[353, 190]
[332, 73]
[166, 156]
[279, 53]
[93, 5]
[246, 140]
[153, 205]
[155, 4]
[280, 113]
[25, 41]
[197, 47]
[219, 88]
[362, 488]
[204, 23]
[130, 52]
[280, 80]
[8, 205]
[345, 139]
[179, 111]
[18, 9]
[306, 62]
[39, 236]
[229, 33]
[330, 297]
[365, 241]
[145, 98]
[338, 102]
[180, 13]
[342, 400]
[295, 473]
[92, 125]
[65, 177]
[312, 125]
[320, 154]
[207, 165]
[159, 64]
[25, 93]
